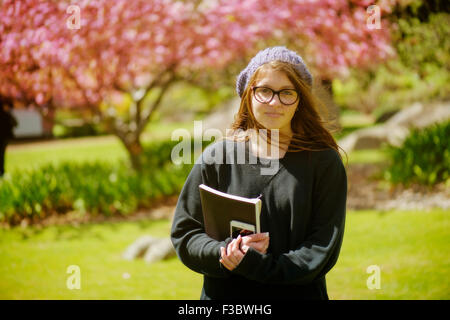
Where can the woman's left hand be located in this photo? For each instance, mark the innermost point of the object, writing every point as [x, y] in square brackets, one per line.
[232, 255]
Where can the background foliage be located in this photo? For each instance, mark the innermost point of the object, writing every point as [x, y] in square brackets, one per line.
[424, 157]
[418, 72]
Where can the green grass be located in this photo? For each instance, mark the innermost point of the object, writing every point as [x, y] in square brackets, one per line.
[92, 149]
[86, 149]
[411, 249]
[367, 156]
[352, 118]
[35, 262]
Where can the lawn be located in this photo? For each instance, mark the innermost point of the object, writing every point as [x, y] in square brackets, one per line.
[102, 148]
[410, 248]
[35, 261]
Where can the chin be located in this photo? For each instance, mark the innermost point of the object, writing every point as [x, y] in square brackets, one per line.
[272, 125]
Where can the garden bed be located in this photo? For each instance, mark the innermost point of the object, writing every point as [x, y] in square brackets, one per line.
[367, 190]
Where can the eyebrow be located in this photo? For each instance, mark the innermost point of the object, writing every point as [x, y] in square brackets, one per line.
[282, 88]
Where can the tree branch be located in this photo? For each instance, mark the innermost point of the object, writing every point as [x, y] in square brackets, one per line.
[155, 105]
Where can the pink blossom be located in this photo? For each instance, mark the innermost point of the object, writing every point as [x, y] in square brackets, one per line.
[122, 42]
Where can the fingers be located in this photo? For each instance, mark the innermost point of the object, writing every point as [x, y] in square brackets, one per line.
[237, 243]
[260, 246]
[255, 238]
[228, 260]
[224, 259]
[235, 253]
[258, 236]
[232, 245]
[232, 255]
[259, 242]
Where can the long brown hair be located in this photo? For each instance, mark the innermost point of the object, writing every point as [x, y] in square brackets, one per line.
[310, 131]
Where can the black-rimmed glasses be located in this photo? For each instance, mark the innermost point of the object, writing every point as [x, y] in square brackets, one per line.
[265, 95]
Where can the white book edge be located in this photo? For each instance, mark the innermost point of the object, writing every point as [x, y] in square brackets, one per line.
[258, 214]
[230, 196]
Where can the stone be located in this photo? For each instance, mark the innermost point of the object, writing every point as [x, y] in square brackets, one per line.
[160, 250]
[397, 128]
[151, 249]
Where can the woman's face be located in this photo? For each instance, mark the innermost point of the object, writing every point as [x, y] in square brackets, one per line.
[274, 115]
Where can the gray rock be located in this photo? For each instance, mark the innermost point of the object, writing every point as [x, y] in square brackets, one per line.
[396, 129]
[160, 250]
[412, 200]
[374, 137]
[151, 249]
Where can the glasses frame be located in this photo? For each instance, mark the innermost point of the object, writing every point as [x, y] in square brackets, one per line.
[254, 88]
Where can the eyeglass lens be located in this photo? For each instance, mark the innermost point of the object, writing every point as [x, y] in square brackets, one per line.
[265, 95]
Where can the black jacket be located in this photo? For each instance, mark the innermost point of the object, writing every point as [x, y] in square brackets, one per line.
[303, 209]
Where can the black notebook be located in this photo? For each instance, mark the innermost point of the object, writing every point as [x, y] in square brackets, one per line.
[222, 210]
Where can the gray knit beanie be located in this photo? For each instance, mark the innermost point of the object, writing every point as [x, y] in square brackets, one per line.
[271, 54]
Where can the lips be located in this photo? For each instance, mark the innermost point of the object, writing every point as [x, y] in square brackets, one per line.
[273, 114]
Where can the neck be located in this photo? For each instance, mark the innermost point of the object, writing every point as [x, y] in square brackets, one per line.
[279, 142]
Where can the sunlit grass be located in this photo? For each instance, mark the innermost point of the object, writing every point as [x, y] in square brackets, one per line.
[367, 156]
[410, 247]
[34, 264]
[86, 149]
[351, 118]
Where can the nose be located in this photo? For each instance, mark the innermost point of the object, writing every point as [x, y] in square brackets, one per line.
[275, 101]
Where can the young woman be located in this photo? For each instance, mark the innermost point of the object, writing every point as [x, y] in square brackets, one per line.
[303, 201]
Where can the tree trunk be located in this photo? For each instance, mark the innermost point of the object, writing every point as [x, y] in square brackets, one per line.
[135, 150]
[138, 120]
[48, 120]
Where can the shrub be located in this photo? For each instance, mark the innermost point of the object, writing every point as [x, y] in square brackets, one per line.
[95, 188]
[423, 158]
[419, 72]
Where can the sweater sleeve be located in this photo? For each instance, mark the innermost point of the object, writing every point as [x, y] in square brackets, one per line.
[193, 246]
[313, 258]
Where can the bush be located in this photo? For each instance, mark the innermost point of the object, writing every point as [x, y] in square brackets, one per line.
[423, 158]
[95, 188]
[79, 130]
[419, 72]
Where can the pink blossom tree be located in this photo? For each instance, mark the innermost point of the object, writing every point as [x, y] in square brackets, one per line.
[103, 53]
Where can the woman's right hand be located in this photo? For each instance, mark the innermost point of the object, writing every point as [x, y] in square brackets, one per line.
[258, 241]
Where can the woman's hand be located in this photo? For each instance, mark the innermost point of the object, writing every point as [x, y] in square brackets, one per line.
[232, 255]
[236, 249]
[258, 241]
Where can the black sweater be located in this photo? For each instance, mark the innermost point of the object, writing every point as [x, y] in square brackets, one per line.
[303, 209]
